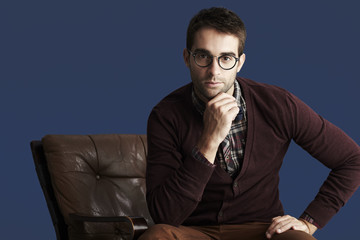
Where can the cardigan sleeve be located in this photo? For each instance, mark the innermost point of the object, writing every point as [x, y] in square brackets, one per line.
[332, 147]
[175, 181]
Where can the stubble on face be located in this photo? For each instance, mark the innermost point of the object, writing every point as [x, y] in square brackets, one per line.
[206, 92]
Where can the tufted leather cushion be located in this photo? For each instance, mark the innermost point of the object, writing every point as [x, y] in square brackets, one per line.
[98, 175]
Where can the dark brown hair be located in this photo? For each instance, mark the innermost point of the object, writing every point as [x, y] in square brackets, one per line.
[221, 19]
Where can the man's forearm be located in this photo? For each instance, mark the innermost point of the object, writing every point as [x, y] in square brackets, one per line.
[173, 197]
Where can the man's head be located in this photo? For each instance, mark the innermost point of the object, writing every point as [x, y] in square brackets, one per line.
[220, 19]
[214, 52]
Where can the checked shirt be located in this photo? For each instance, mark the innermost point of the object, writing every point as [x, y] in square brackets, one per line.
[230, 154]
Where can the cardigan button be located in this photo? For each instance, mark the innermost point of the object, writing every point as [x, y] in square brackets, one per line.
[235, 184]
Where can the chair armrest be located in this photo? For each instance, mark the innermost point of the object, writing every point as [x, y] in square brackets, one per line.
[127, 227]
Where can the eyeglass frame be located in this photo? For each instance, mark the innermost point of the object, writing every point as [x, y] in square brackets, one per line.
[212, 59]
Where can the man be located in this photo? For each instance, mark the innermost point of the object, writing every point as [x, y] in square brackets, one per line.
[216, 146]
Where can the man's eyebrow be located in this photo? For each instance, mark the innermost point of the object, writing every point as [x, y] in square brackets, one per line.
[228, 53]
[197, 50]
[201, 50]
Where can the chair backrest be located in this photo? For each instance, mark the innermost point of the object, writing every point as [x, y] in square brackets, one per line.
[93, 175]
[45, 182]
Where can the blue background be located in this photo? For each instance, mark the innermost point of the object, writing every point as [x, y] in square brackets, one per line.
[91, 67]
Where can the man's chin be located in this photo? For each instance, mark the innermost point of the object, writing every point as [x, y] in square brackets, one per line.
[208, 94]
[211, 95]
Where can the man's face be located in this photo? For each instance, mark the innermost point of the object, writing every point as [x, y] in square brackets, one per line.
[210, 81]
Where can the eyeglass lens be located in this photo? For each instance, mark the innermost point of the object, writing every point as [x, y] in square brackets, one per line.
[225, 61]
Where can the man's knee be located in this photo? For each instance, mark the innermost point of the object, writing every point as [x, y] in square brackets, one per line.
[293, 235]
[158, 231]
[168, 232]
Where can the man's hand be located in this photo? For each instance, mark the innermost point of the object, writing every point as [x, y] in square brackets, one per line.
[283, 223]
[218, 116]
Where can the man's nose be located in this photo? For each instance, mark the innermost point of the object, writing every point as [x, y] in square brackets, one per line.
[214, 67]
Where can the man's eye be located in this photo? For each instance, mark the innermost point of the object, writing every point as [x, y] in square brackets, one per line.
[226, 58]
[203, 56]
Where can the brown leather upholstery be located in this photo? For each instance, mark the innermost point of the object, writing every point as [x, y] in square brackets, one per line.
[97, 176]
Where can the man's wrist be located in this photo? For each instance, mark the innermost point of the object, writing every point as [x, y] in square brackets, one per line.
[309, 219]
[309, 222]
[196, 153]
[311, 228]
[208, 149]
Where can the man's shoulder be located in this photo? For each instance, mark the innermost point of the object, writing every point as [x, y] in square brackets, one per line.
[179, 94]
[259, 89]
[177, 98]
[252, 85]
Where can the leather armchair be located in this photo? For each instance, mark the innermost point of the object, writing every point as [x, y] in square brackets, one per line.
[94, 185]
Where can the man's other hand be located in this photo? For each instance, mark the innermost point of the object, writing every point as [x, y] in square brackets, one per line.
[282, 224]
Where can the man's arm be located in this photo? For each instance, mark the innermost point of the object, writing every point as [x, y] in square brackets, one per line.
[337, 151]
[334, 149]
[175, 182]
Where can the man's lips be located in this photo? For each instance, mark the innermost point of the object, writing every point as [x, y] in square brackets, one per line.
[212, 84]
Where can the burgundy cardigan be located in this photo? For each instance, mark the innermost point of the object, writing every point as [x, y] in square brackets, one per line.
[183, 190]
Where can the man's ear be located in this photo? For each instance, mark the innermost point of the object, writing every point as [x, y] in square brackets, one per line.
[186, 56]
[241, 62]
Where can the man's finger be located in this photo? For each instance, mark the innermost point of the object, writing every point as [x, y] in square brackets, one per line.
[281, 224]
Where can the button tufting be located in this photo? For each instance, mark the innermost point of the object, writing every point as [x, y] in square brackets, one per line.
[97, 177]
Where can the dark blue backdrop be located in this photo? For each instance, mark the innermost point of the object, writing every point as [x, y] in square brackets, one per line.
[89, 67]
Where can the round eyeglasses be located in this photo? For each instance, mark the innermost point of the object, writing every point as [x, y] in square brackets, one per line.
[204, 59]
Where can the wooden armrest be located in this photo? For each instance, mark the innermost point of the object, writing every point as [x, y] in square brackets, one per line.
[135, 225]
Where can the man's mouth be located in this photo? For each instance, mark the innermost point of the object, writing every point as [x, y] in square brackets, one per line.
[213, 83]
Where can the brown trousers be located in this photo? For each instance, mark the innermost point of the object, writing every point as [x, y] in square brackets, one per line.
[249, 231]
